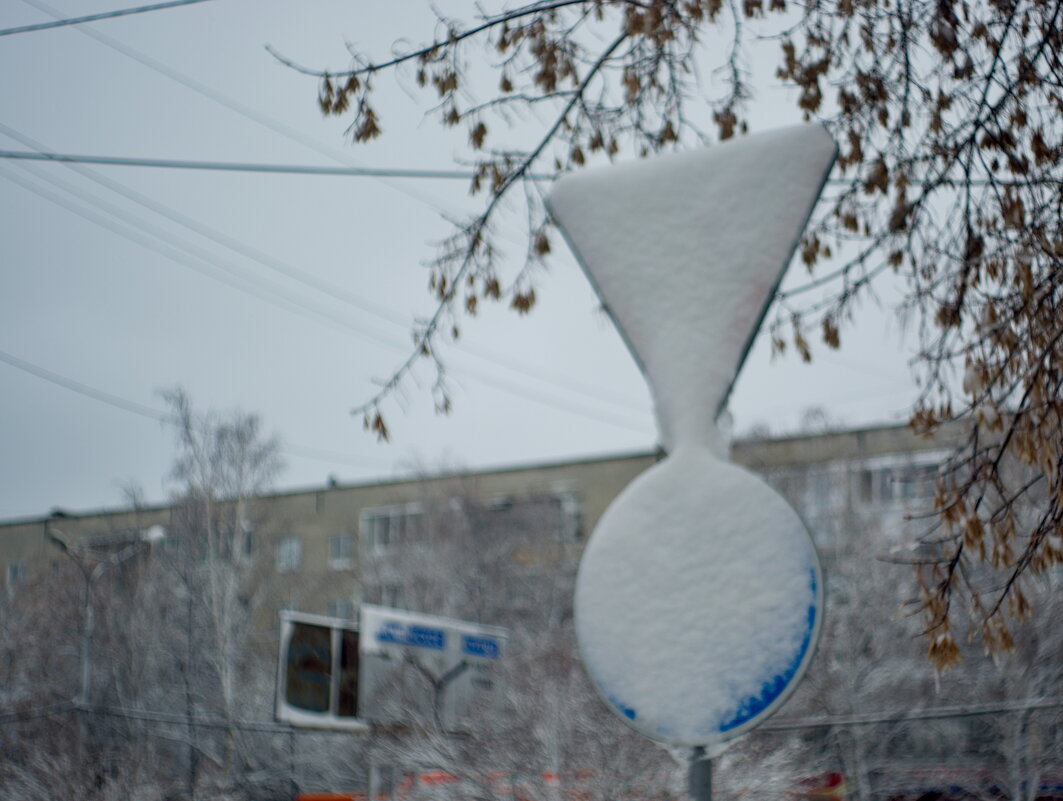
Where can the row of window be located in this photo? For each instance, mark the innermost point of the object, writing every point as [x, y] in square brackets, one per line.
[385, 528]
[289, 552]
[888, 485]
[830, 488]
[382, 529]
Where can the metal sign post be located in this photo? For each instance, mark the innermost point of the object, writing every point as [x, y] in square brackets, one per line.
[700, 776]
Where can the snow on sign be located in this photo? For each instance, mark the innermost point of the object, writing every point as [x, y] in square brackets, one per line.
[425, 664]
[699, 596]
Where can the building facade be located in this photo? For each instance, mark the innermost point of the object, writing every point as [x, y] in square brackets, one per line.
[323, 549]
[501, 547]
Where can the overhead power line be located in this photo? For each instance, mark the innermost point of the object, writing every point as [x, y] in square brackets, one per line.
[202, 721]
[204, 263]
[239, 166]
[292, 134]
[223, 270]
[932, 713]
[124, 12]
[238, 107]
[236, 278]
[331, 291]
[818, 722]
[159, 415]
[357, 172]
[84, 389]
[299, 169]
[37, 712]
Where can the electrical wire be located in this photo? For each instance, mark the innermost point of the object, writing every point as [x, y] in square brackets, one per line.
[298, 137]
[153, 716]
[38, 712]
[231, 276]
[212, 234]
[159, 415]
[292, 134]
[237, 166]
[196, 259]
[125, 12]
[939, 713]
[310, 453]
[256, 167]
[134, 235]
[819, 722]
[201, 261]
[245, 111]
[84, 389]
[332, 291]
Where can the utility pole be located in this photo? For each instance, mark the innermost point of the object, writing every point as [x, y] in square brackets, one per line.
[91, 571]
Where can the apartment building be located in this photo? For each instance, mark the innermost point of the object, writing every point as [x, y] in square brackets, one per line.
[315, 543]
[324, 551]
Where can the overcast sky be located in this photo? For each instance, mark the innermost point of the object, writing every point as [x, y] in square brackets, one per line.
[125, 281]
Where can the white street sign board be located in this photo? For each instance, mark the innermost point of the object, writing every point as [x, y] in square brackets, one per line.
[698, 602]
[425, 660]
[390, 667]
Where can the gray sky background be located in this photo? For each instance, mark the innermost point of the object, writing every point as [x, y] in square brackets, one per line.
[99, 299]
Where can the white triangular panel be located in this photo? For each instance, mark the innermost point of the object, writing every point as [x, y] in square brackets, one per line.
[686, 251]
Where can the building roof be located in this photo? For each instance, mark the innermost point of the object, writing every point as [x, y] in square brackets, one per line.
[754, 452]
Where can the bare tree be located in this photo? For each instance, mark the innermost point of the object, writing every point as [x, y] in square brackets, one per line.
[948, 117]
[222, 465]
[872, 714]
[131, 661]
[506, 560]
[68, 650]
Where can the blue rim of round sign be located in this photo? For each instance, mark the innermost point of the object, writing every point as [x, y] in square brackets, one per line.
[755, 705]
[774, 691]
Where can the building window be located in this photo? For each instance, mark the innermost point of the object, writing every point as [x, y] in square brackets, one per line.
[891, 483]
[385, 528]
[289, 554]
[341, 551]
[341, 608]
[248, 531]
[919, 482]
[391, 595]
[877, 485]
[866, 486]
[570, 516]
[16, 572]
[889, 486]
[498, 503]
[820, 491]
